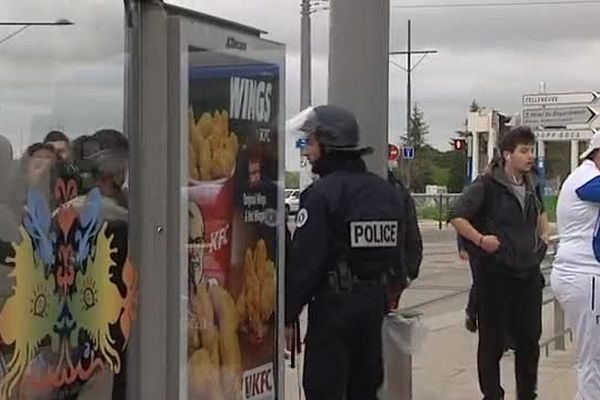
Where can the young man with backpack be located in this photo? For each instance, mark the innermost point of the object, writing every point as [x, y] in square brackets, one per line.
[413, 242]
[499, 216]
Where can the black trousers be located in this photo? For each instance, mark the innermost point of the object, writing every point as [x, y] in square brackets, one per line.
[343, 345]
[473, 302]
[508, 304]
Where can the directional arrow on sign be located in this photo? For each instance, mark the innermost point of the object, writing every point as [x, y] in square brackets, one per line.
[554, 99]
[594, 114]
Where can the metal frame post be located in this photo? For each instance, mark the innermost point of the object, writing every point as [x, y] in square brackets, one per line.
[147, 126]
[559, 326]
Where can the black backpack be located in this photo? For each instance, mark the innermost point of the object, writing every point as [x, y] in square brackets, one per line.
[413, 243]
[482, 222]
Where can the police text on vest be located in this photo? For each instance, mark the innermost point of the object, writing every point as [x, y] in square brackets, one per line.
[364, 234]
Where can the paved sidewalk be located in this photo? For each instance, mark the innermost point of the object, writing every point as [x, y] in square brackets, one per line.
[446, 367]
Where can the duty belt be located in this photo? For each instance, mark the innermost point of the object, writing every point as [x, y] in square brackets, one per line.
[341, 279]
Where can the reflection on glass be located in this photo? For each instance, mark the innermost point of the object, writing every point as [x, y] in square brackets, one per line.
[67, 289]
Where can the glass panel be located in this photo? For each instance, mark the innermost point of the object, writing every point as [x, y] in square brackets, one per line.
[234, 190]
[67, 289]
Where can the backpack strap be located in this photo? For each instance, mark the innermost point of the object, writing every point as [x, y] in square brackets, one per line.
[489, 202]
[480, 221]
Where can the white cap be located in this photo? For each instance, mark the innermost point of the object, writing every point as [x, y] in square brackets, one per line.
[594, 145]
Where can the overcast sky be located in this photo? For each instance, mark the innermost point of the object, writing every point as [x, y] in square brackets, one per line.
[71, 77]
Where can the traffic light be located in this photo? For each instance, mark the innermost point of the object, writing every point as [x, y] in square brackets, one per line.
[459, 144]
[503, 125]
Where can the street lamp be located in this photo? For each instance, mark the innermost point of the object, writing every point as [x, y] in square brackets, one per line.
[26, 24]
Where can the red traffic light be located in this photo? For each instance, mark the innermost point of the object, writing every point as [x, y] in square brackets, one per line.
[459, 144]
[393, 152]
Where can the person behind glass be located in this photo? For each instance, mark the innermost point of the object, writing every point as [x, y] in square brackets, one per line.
[38, 161]
[463, 254]
[109, 164]
[575, 274]
[61, 144]
[102, 160]
[471, 310]
[34, 172]
[346, 250]
[500, 215]
[7, 171]
[9, 216]
[413, 243]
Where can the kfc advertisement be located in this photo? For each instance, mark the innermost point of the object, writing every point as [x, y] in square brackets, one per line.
[233, 255]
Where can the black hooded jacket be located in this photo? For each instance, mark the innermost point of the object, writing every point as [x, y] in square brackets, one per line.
[491, 205]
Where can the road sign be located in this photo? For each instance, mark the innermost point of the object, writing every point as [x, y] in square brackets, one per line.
[408, 153]
[301, 143]
[393, 152]
[554, 99]
[561, 116]
[563, 134]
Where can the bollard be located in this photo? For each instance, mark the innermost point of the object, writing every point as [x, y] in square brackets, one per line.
[559, 326]
[400, 341]
[405, 381]
[441, 212]
[399, 387]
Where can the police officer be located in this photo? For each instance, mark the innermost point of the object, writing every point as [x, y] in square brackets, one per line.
[346, 251]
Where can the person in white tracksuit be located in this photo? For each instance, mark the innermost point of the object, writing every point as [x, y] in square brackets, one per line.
[576, 271]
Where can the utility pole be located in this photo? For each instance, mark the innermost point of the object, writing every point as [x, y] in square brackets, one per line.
[305, 82]
[305, 56]
[307, 7]
[409, 69]
[408, 79]
[359, 70]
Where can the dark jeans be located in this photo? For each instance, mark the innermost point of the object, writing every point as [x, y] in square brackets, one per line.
[343, 345]
[513, 305]
[473, 296]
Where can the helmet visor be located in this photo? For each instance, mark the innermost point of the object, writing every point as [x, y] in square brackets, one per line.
[302, 124]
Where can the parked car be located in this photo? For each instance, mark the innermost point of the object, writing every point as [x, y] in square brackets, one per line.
[292, 201]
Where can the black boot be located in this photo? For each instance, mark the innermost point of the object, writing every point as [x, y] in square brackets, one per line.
[471, 323]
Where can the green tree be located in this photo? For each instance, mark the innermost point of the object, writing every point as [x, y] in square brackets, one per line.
[431, 166]
[417, 173]
[417, 134]
[292, 179]
[458, 171]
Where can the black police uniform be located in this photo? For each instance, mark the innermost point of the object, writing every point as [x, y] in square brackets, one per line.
[346, 248]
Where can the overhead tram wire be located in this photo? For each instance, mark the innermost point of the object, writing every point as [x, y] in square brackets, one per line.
[498, 4]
